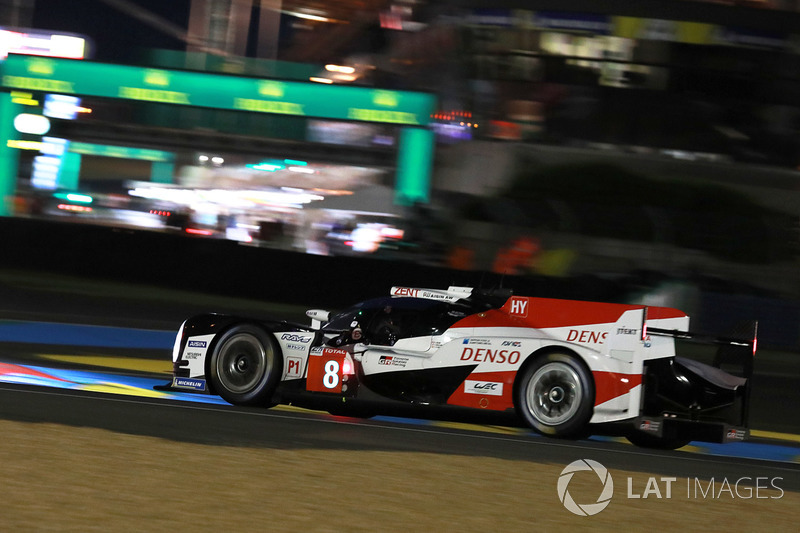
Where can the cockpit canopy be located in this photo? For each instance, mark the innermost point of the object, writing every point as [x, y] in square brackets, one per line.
[386, 320]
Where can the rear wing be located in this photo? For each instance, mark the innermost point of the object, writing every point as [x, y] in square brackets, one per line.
[736, 353]
[743, 348]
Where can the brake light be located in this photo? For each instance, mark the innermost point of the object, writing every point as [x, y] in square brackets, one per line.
[644, 324]
[195, 231]
[347, 367]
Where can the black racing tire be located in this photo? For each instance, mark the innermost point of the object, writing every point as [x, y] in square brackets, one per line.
[643, 440]
[246, 366]
[555, 395]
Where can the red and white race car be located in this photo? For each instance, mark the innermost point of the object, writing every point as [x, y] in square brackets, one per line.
[562, 365]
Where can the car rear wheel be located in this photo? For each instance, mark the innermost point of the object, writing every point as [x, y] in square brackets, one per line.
[245, 366]
[555, 395]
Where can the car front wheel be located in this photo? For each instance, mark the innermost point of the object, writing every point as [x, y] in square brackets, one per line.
[245, 366]
[555, 395]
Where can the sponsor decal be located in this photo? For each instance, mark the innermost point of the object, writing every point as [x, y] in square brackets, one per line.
[328, 372]
[627, 331]
[296, 347]
[736, 434]
[422, 293]
[324, 350]
[405, 291]
[489, 388]
[487, 355]
[484, 342]
[519, 307]
[393, 360]
[515, 344]
[193, 355]
[189, 383]
[294, 366]
[196, 344]
[587, 335]
[295, 338]
[650, 426]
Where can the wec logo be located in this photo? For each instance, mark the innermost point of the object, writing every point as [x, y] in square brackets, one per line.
[587, 509]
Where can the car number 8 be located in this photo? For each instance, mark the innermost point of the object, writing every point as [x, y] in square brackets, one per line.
[331, 377]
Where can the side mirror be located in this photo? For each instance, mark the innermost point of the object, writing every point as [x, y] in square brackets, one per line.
[318, 317]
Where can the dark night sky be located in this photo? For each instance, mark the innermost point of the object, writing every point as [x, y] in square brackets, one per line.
[115, 35]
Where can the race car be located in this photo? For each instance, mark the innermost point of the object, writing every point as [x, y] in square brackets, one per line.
[565, 367]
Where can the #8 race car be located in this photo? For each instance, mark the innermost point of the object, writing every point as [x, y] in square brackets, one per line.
[563, 366]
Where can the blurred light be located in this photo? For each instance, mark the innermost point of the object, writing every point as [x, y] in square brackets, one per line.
[80, 198]
[41, 44]
[203, 158]
[316, 79]
[32, 124]
[392, 233]
[61, 106]
[345, 77]
[267, 166]
[308, 16]
[228, 198]
[23, 98]
[340, 68]
[238, 234]
[75, 208]
[46, 162]
[53, 146]
[196, 231]
[74, 197]
[67, 46]
[24, 145]
[301, 170]
[217, 160]
[295, 162]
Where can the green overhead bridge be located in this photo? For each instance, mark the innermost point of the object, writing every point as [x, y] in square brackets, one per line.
[410, 111]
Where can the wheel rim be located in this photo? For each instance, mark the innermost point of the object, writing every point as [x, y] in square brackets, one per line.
[242, 363]
[554, 393]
